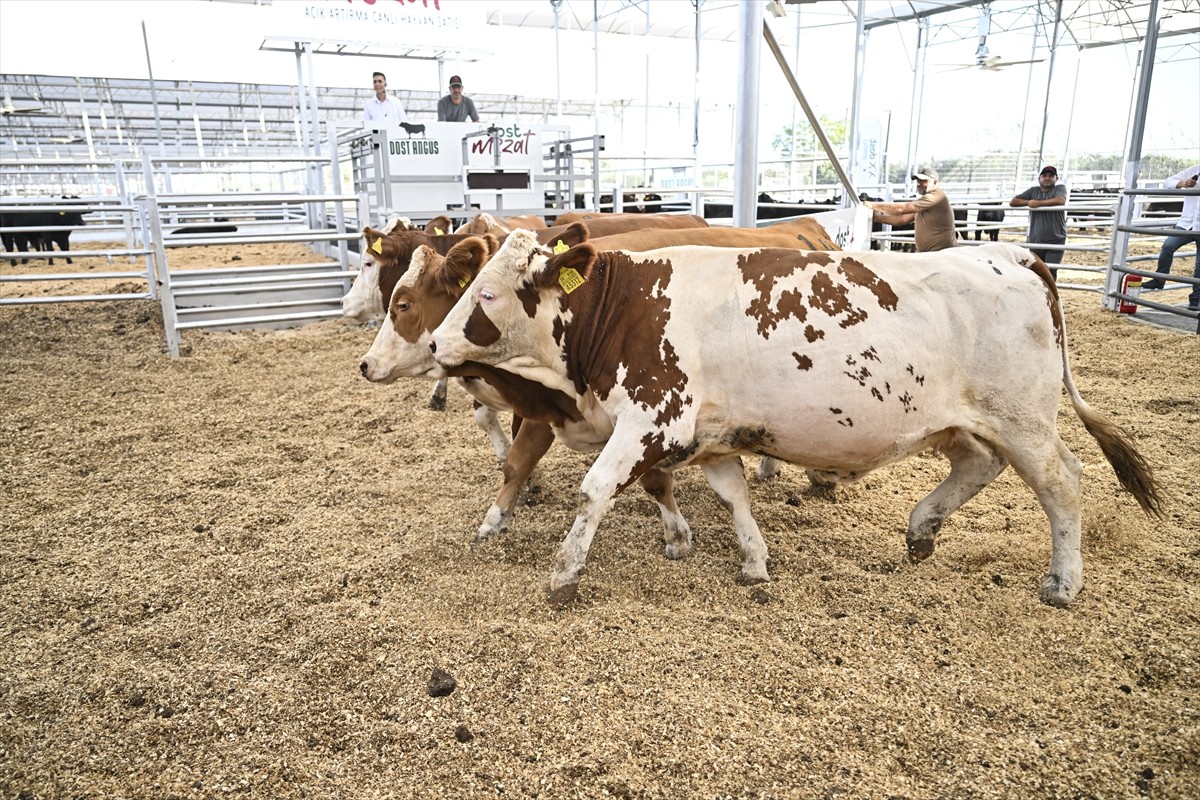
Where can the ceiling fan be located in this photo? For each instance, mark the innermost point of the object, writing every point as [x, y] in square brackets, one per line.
[984, 60]
[8, 109]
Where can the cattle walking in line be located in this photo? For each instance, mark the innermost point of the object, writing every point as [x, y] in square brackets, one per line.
[28, 241]
[432, 284]
[857, 360]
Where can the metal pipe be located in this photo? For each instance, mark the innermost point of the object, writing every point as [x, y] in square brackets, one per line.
[745, 173]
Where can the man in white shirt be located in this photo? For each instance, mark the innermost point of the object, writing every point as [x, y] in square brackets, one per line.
[382, 108]
[1190, 222]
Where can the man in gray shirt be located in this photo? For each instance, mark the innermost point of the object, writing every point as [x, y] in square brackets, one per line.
[456, 107]
[1045, 227]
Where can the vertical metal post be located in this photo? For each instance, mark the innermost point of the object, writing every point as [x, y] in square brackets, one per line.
[1133, 159]
[153, 93]
[745, 171]
[1049, 80]
[914, 112]
[860, 48]
[161, 270]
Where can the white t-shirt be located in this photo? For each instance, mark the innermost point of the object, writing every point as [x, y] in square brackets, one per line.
[388, 110]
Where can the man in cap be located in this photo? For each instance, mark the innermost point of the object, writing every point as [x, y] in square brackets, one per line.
[931, 215]
[1045, 227]
[456, 107]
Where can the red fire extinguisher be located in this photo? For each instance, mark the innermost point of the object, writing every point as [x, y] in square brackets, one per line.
[1130, 285]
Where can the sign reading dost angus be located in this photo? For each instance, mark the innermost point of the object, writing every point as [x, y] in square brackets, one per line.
[501, 169]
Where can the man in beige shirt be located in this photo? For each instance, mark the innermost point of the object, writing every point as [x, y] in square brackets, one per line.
[931, 213]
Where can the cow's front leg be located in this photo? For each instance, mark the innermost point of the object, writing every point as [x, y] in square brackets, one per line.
[616, 467]
[437, 401]
[489, 421]
[532, 441]
[729, 482]
[677, 534]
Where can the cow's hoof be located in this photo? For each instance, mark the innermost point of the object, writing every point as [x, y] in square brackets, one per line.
[768, 468]
[920, 549]
[437, 403]
[678, 552]
[1058, 592]
[562, 596]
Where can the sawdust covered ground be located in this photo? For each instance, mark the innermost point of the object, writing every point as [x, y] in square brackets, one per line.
[234, 573]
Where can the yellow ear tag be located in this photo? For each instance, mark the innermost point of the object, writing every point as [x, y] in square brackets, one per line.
[569, 279]
[377, 245]
[560, 247]
[438, 232]
[463, 281]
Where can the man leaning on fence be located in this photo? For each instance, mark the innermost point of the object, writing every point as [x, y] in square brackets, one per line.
[1189, 222]
[1046, 227]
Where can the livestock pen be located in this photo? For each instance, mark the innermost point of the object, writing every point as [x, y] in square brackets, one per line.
[237, 572]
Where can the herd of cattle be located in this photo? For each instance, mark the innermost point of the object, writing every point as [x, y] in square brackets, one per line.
[661, 343]
[39, 231]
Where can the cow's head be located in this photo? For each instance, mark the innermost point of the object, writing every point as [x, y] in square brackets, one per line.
[363, 302]
[423, 296]
[513, 313]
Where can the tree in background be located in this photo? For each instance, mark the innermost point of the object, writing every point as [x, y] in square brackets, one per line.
[807, 144]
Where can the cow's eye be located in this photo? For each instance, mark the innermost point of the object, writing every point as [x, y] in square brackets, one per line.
[486, 295]
[402, 306]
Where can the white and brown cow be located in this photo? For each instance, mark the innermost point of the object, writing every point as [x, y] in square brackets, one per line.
[433, 283]
[856, 360]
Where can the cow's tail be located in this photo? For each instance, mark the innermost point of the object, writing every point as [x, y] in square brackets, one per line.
[1132, 469]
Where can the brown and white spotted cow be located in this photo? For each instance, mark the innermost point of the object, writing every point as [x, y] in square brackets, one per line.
[434, 283]
[857, 360]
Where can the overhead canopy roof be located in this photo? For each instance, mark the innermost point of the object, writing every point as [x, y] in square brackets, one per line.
[1088, 23]
[43, 115]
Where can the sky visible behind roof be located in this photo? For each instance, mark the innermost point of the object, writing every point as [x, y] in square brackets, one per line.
[965, 111]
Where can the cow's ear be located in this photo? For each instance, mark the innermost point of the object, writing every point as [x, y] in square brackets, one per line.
[464, 261]
[374, 240]
[493, 244]
[438, 226]
[569, 269]
[576, 234]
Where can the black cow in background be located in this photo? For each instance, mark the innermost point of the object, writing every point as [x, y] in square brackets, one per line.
[29, 241]
[877, 227]
[983, 215]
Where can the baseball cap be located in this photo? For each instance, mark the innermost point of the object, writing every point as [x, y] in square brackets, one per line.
[1048, 170]
[455, 80]
[925, 174]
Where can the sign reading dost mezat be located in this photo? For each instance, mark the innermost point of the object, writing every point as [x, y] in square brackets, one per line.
[501, 168]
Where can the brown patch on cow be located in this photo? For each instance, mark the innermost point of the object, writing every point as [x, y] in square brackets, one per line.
[762, 270]
[480, 330]
[812, 334]
[857, 273]
[619, 317]
[834, 299]
[529, 399]
[803, 362]
[398, 248]
[653, 451]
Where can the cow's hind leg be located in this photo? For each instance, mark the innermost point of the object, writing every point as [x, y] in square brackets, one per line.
[677, 534]
[973, 465]
[768, 468]
[532, 441]
[437, 401]
[1053, 471]
[729, 482]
